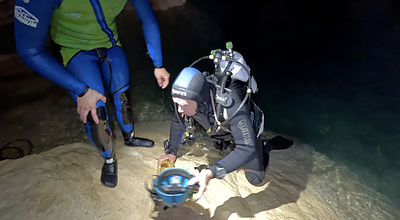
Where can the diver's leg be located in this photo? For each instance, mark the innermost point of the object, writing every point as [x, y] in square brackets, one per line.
[256, 169]
[116, 74]
[84, 66]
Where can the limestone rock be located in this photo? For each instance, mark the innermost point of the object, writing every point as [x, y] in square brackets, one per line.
[63, 183]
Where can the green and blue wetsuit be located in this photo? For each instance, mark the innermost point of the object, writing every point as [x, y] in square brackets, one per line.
[80, 27]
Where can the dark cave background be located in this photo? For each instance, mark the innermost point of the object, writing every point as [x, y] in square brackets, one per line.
[327, 71]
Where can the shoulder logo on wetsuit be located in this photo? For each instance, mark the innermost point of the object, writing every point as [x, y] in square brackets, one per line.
[25, 17]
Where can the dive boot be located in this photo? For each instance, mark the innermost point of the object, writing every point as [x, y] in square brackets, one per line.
[131, 140]
[109, 174]
[277, 143]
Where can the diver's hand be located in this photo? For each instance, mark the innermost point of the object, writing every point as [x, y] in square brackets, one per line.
[87, 103]
[169, 157]
[202, 179]
[162, 77]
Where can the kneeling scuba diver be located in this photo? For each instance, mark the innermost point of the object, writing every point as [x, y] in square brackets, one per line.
[220, 104]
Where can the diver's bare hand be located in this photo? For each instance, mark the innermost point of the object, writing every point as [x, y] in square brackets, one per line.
[162, 77]
[169, 157]
[202, 179]
[87, 103]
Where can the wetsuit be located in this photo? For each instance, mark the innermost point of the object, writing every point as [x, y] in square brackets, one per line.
[245, 128]
[91, 52]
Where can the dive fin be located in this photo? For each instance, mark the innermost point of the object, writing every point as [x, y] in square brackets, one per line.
[277, 143]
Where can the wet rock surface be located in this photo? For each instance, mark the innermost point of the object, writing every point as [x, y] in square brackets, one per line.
[60, 179]
[64, 183]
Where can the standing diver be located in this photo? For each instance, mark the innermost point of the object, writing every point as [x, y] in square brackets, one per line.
[94, 64]
[220, 104]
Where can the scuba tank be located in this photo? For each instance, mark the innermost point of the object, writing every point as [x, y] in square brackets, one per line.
[229, 65]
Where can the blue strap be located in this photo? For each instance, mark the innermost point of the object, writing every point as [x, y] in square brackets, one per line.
[98, 11]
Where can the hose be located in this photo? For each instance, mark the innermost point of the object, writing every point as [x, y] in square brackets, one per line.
[198, 60]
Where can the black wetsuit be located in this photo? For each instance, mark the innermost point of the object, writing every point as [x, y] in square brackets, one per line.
[244, 128]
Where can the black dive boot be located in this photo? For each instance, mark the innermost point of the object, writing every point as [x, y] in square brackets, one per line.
[277, 143]
[131, 140]
[109, 173]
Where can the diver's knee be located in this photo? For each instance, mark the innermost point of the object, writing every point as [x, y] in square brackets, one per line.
[122, 104]
[255, 178]
[100, 134]
[101, 114]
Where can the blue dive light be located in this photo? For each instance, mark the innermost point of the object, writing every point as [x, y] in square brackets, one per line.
[171, 186]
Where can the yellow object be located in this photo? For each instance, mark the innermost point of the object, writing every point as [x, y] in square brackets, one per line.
[164, 165]
[187, 134]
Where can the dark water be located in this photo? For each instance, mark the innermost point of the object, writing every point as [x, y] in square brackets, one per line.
[328, 73]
